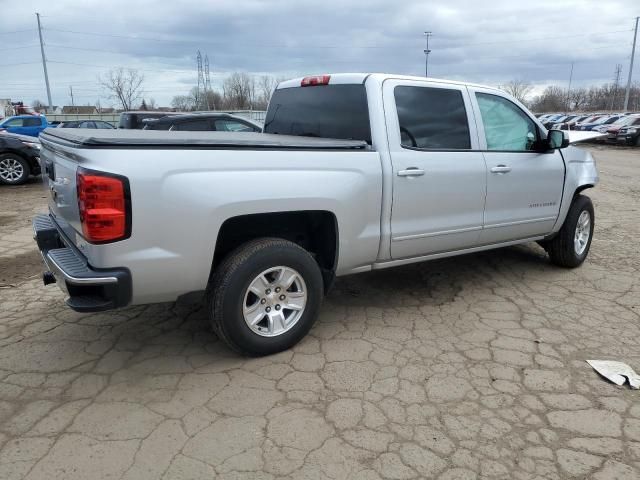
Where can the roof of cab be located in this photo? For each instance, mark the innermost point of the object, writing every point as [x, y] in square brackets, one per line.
[350, 78]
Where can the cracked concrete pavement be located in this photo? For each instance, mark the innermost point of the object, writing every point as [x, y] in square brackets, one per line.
[462, 368]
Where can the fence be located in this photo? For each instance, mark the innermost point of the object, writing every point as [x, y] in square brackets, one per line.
[255, 115]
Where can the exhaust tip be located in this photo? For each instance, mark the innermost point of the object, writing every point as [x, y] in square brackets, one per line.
[48, 278]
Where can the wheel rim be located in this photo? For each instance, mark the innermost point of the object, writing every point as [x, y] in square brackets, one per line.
[583, 231]
[11, 169]
[274, 301]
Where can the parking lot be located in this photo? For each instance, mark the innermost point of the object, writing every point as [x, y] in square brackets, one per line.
[464, 368]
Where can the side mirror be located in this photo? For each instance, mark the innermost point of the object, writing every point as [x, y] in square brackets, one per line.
[557, 139]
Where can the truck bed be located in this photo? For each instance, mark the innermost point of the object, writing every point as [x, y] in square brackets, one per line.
[89, 138]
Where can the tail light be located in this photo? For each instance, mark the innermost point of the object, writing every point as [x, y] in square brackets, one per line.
[317, 80]
[104, 201]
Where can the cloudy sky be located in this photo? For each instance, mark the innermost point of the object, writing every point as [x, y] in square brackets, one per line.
[472, 40]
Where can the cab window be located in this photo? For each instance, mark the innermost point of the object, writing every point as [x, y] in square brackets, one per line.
[506, 126]
[432, 118]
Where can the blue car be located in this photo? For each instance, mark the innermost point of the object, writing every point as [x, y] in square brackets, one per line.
[25, 125]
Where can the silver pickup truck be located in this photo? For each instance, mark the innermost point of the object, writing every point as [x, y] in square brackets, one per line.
[353, 172]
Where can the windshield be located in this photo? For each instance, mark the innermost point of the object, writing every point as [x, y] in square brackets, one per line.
[326, 111]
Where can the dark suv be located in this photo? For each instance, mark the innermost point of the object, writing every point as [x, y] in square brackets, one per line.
[630, 133]
[19, 158]
[204, 122]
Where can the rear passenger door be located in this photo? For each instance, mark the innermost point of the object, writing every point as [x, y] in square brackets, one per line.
[524, 184]
[439, 174]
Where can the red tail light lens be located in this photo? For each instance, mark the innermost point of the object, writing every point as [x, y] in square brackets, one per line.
[317, 80]
[104, 204]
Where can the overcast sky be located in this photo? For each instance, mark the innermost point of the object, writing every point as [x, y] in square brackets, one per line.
[486, 42]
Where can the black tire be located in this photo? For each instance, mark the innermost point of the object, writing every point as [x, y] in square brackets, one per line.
[561, 248]
[230, 281]
[14, 160]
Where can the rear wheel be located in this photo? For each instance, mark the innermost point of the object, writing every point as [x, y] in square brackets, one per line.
[570, 246]
[265, 296]
[14, 170]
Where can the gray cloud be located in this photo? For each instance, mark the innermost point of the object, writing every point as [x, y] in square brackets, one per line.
[471, 41]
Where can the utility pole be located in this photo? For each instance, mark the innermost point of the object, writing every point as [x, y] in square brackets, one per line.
[71, 93]
[569, 89]
[426, 53]
[633, 52]
[44, 62]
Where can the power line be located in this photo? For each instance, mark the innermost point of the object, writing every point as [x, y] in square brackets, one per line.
[307, 46]
[17, 31]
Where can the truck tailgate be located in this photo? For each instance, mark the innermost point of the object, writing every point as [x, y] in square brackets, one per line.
[59, 168]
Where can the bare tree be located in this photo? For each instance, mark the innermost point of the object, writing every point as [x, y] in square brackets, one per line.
[519, 89]
[239, 91]
[124, 85]
[182, 103]
[38, 105]
[266, 85]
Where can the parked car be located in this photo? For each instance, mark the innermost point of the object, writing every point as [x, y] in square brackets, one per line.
[550, 122]
[19, 158]
[85, 124]
[613, 129]
[136, 120]
[30, 125]
[604, 120]
[630, 134]
[355, 172]
[569, 122]
[202, 122]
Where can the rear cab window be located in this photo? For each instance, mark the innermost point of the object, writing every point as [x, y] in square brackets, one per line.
[336, 111]
[432, 118]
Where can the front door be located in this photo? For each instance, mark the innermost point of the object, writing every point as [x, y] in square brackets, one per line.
[439, 174]
[524, 184]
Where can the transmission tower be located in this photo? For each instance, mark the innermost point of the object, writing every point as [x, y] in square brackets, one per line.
[207, 85]
[201, 91]
[616, 85]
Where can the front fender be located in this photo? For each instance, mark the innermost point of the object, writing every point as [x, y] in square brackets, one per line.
[580, 173]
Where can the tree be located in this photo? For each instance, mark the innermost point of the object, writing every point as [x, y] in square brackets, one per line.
[125, 86]
[238, 91]
[143, 105]
[182, 103]
[519, 89]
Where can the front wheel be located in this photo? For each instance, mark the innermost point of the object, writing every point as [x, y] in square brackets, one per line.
[570, 246]
[265, 296]
[14, 170]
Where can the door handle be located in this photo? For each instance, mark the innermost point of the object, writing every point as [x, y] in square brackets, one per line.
[411, 172]
[500, 169]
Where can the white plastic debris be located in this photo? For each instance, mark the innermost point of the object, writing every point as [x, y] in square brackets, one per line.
[617, 372]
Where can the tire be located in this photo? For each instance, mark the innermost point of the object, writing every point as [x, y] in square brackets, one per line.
[14, 170]
[262, 264]
[563, 249]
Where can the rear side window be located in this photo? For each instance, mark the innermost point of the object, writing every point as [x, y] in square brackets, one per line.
[326, 111]
[31, 122]
[432, 118]
[198, 125]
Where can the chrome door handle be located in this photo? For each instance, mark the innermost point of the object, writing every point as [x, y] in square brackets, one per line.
[411, 172]
[501, 169]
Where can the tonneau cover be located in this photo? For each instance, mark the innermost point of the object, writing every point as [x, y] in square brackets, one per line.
[90, 138]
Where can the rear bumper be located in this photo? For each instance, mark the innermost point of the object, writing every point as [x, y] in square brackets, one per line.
[89, 289]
